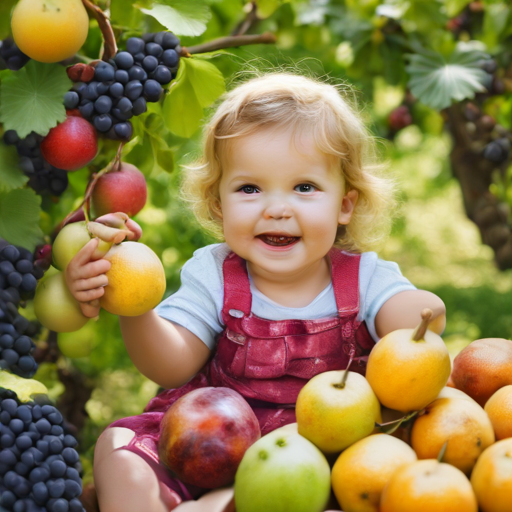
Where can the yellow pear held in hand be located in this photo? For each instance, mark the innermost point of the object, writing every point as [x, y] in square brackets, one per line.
[49, 30]
[335, 409]
[408, 368]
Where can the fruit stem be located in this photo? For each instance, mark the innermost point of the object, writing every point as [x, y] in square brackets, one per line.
[395, 423]
[442, 452]
[229, 42]
[419, 333]
[341, 385]
[109, 39]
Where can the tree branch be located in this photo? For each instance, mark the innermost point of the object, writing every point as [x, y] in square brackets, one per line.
[229, 42]
[250, 20]
[109, 40]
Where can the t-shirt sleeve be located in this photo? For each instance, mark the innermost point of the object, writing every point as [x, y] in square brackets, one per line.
[379, 281]
[198, 302]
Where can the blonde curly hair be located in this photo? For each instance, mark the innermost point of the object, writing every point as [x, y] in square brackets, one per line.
[283, 99]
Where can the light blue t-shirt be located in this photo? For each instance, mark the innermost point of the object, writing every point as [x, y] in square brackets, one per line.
[197, 305]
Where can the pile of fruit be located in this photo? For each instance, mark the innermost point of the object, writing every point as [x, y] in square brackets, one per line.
[440, 447]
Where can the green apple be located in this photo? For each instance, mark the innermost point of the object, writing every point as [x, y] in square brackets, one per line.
[55, 307]
[78, 343]
[282, 472]
[71, 238]
[335, 409]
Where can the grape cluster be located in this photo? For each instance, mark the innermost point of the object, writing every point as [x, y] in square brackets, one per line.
[18, 280]
[43, 177]
[39, 466]
[11, 55]
[121, 88]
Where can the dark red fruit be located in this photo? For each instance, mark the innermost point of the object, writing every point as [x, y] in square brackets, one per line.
[205, 434]
[80, 73]
[400, 118]
[70, 145]
[73, 113]
[120, 191]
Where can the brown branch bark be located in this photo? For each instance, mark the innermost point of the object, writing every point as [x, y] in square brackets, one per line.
[248, 22]
[109, 40]
[474, 173]
[229, 42]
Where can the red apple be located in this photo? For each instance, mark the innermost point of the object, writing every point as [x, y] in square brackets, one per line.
[205, 434]
[124, 190]
[70, 145]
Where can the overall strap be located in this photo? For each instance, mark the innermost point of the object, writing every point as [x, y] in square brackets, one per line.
[345, 280]
[237, 289]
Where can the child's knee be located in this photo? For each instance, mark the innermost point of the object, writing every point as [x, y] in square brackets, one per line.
[110, 440]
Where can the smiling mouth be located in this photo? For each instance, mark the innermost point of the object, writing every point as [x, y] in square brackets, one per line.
[278, 239]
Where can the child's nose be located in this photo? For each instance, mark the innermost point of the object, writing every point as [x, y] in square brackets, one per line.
[278, 210]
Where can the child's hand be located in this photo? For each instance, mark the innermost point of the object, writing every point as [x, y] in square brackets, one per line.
[86, 278]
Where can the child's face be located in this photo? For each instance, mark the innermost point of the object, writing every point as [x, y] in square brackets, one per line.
[281, 203]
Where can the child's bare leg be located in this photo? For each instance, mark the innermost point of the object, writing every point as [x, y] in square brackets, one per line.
[124, 481]
[219, 500]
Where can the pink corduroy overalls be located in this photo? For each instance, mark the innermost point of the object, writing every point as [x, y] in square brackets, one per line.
[266, 361]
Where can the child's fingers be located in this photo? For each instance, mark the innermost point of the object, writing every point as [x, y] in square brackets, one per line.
[85, 253]
[89, 295]
[90, 310]
[88, 270]
[91, 283]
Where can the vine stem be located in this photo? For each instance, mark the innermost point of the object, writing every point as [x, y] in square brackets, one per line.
[111, 167]
[229, 42]
[109, 39]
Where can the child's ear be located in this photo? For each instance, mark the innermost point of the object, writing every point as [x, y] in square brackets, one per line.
[347, 207]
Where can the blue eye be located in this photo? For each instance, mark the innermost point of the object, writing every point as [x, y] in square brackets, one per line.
[305, 187]
[248, 189]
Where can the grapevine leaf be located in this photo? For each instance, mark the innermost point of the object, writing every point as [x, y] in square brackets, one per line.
[207, 81]
[32, 98]
[5, 17]
[437, 83]
[127, 148]
[453, 7]
[182, 17]
[266, 8]
[19, 217]
[25, 389]
[182, 111]
[11, 176]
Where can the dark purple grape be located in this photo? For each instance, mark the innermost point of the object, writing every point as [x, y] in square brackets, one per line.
[124, 130]
[154, 49]
[104, 72]
[120, 116]
[137, 73]
[28, 281]
[122, 76]
[132, 91]
[139, 57]
[124, 60]
[135, 45]
[10, 356]
[149, 63]
[170, 58]
[169, 41]
[103, 87]
[152, 90]
[71, 99]
[162, 75]
[6, 341]
[39, 490]
[116, 90]
[124, 105]
[87, 110]
[23, 412]
[103, 104]
[139, 106]
[23, 345]
[148, 37]
[11, 137]
[91, 93]
[102, 123]
[79, 87]
[24, 266]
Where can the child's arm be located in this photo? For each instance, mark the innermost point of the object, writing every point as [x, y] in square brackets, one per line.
[403, 311]
[165, 353]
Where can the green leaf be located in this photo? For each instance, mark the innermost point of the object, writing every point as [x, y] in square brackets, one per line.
[19, 217]
[207, 81]
[438, 83]
[32, 98]
[197, 86]
[453, 7]
[183, 17]
[25, 389]
[130, 145]
[11, 176]
[266, 8]
[5, 17]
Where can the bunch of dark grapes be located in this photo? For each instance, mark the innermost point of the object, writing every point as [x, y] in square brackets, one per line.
[43, 177]
[11, 55]
[39, 466]
[121, 88]
[18, 280]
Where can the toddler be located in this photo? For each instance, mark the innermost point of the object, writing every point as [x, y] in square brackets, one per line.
[293, 290]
